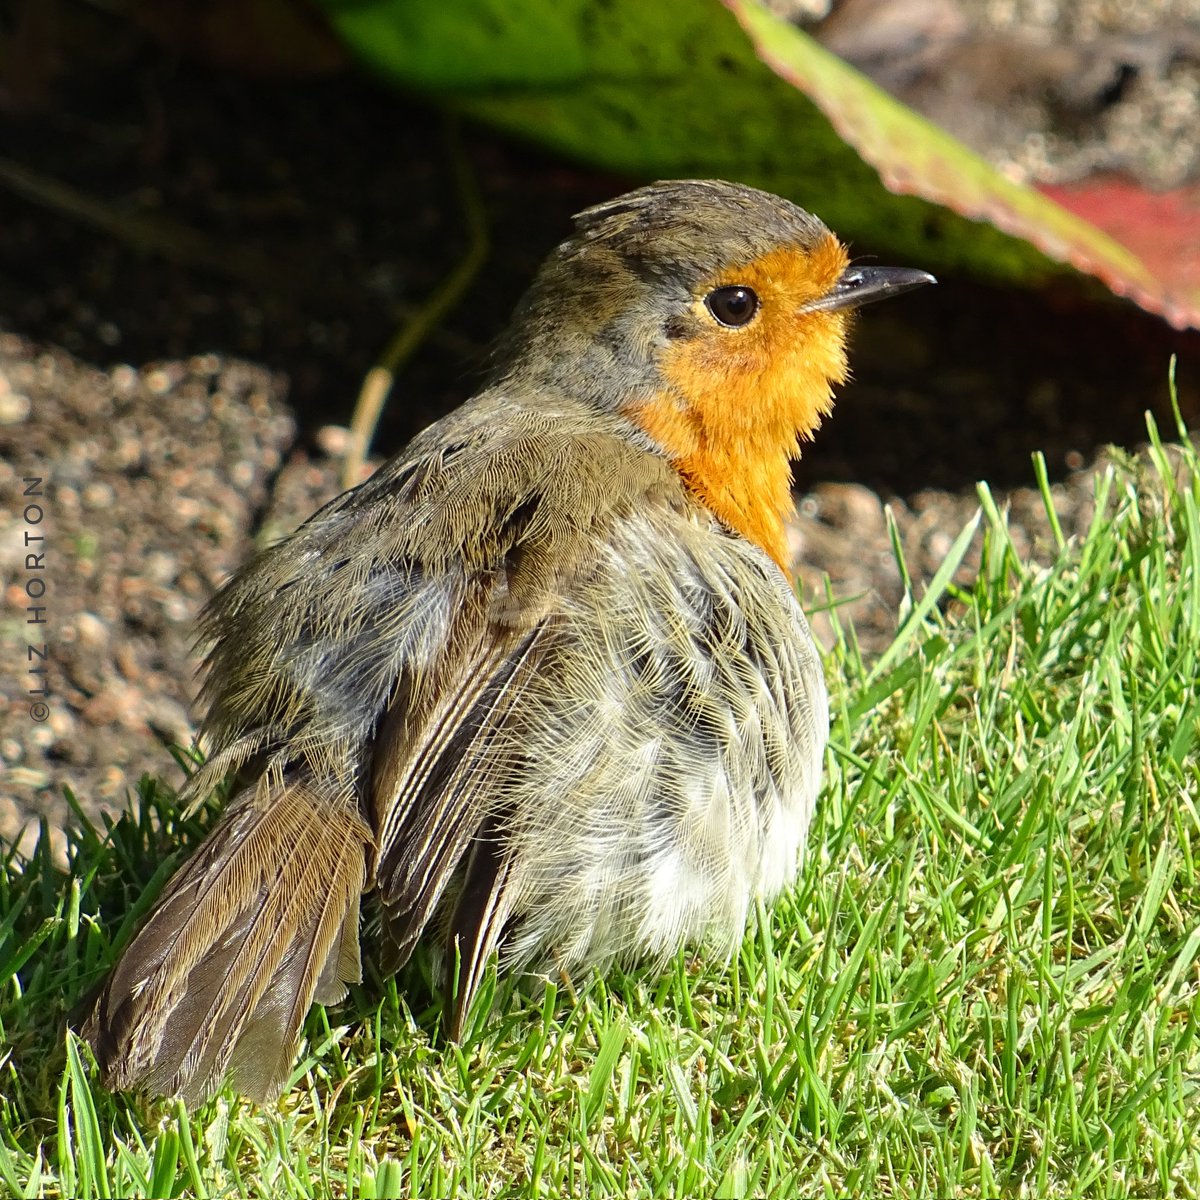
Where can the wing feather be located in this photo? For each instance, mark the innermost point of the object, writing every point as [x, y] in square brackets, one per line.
[431, 783]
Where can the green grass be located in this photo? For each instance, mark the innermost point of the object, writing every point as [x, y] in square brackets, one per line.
[987, 982]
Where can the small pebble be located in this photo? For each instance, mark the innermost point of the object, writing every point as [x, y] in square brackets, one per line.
[14, 407]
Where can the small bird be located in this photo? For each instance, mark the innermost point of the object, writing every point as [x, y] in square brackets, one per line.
[542, 682]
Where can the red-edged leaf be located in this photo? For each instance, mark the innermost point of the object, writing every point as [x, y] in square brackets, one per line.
[1162, 228]
[912, 156]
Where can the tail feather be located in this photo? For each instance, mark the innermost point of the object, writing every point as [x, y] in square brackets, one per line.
[263, 919]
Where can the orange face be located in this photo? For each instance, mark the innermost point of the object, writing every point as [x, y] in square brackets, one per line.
[740, 399]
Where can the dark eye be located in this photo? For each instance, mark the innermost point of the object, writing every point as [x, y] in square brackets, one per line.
[732, 305]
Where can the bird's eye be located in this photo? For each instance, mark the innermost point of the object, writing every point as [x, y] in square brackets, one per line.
[732, 306]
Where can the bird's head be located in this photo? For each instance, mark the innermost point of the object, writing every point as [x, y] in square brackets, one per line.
[714, 317]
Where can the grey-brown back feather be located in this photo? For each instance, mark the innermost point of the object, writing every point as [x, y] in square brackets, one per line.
[371, 655]
[513, 676]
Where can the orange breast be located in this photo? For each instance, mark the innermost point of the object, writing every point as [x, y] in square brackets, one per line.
[738, 402]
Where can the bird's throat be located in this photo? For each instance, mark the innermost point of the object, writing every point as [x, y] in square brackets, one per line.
[747, 486]
[752, 497]
[733, 429]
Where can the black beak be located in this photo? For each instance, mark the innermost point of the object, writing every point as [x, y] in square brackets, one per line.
[865, 285]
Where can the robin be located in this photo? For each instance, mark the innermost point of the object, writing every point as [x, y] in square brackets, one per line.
[542, 682]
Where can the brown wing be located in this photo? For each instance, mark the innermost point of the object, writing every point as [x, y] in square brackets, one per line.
[357, 675]
[429, 788]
